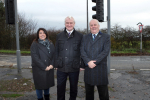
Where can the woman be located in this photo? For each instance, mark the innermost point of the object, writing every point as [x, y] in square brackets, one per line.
[42, 54]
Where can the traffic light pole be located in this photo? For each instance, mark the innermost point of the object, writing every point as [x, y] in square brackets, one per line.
[87, 19]
[17, 38]
[109, 32]
[99, 8]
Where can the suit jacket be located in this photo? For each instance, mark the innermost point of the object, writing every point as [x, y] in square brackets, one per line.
[40, 60]
[67, 51]
[96, 50]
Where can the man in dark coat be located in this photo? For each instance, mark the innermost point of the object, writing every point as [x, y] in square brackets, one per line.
[94, 50]
[67, 60]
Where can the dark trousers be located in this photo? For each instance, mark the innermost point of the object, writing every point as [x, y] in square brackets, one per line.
[39, 93]
[61, 84]
[102, 91]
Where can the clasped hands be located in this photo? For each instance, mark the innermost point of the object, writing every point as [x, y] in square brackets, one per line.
[91, 64]
[49, 67]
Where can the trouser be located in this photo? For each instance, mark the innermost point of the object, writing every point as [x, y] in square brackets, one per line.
[39, 92]
[61, 84]
[102, 91]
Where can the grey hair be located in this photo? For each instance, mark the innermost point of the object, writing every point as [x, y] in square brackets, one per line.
[95, 20]
[70, 17]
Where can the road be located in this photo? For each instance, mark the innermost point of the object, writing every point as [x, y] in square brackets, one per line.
[130, 62]
[116, 62]
[123, 83]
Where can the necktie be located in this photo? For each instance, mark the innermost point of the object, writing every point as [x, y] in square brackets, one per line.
[93, 37]
[69, 34]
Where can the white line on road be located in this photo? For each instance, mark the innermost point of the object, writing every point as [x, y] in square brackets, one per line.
[140, 69]
[112, 69]
[144, 69]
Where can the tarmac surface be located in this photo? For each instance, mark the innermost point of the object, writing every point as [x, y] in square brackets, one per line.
[124, 84]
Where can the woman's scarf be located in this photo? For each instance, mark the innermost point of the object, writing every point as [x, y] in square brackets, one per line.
[45, 43]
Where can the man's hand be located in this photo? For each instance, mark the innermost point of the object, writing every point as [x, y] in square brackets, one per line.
[55, 68]
[51, 66]
[91, 64]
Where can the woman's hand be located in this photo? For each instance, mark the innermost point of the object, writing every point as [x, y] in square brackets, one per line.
[49, 67]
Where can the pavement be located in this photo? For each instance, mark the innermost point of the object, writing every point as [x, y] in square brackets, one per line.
[124, 84]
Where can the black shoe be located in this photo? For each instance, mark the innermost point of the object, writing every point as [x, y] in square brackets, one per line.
[40, 99]
[46, 97]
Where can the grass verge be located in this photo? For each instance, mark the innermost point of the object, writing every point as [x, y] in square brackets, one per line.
[14, 52]
[129, 50]
[18, 85]
[148, 51]
[11, 95]
[125, 51]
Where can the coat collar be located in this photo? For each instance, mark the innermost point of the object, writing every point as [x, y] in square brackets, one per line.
[72, 34]
[43, 49]
[99, 35]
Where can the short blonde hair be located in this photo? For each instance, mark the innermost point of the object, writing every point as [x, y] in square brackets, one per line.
[70, 17]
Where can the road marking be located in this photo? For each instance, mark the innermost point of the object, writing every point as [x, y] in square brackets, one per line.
[140, 69]
[14, 65]
[1, 65]
[112, 69]
[30, 66]
[144, 69]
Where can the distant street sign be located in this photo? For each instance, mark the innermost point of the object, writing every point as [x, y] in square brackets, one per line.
[140, 28]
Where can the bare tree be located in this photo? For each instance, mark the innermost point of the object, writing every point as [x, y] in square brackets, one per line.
[26, 28]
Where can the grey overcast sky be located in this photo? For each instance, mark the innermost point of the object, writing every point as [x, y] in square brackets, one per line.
[51, 13]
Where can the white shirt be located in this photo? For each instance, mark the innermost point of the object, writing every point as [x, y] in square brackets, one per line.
[95, 35]
[69, 31]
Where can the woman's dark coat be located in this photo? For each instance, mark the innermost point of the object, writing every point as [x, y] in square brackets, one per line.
[40, 60]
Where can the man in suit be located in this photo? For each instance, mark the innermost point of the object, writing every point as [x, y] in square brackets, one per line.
[67, 60]
[95, 47]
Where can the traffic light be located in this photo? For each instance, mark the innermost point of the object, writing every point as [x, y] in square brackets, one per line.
[99, 8]
[10, 11]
